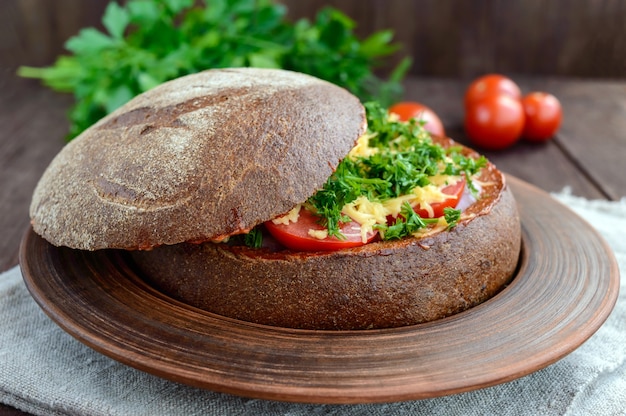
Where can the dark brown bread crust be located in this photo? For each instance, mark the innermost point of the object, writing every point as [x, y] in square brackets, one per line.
[197, 158]
[379, 285]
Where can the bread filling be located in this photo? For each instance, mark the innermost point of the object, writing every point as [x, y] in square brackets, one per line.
[395, 182]
[369, 213]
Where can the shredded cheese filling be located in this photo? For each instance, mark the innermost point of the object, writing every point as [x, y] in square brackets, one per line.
[291, 216]
[369, 213]
[362, 148]
[319, 234]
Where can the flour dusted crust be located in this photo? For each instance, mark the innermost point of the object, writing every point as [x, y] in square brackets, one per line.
[379, 285]
[201, 157]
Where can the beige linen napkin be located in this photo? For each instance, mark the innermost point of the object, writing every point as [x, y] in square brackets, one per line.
[45, 371]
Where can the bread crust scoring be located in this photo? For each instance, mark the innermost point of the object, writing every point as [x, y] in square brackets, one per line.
[197, 158]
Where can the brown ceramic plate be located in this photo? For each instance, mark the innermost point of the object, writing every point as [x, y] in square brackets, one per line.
[566, 286]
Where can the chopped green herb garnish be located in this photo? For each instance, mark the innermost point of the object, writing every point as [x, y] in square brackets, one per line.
[409, 222]
[466, 165]
[254, 238]
[398, 158]
[452, 216]
[406, 158]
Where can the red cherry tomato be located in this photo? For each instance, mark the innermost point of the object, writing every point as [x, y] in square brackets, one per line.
[408, 110]
[455, 190]
[488, 85]
[543, 116]
[295, 235]
[494, 122]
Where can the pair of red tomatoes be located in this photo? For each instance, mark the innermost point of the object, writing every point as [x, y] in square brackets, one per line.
[496, 114]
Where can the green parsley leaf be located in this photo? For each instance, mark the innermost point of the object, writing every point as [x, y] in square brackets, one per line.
[452, 216]
[254, 238]
[89, 42]
[408, 223]
[465, 165]
[115, 20]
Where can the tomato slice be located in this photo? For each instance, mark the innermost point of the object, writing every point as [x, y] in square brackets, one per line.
[295, 235]
[455, 190]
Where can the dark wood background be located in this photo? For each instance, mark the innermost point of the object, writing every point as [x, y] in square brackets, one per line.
[447, 38]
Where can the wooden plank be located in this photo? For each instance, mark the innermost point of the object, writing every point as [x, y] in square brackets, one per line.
[445, 37]
[593, 130]
[33, 124]
[34, 31]
[448, 38]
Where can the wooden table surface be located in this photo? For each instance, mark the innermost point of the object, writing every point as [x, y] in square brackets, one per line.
[588, 155]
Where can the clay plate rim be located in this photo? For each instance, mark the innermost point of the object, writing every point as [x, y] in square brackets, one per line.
[565, 288]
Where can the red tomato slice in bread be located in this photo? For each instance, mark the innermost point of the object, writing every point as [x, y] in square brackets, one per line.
[455, 190]
[295, 235]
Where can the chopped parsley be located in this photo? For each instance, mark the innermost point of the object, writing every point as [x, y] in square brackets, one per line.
[410, 222]
[406, 158]
[254, 238]
[405, 225]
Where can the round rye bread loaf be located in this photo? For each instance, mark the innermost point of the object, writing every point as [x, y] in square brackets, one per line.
[198, 158]
[214, 154]
[383, 284]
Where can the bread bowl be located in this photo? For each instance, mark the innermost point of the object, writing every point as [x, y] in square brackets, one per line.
[177, 171]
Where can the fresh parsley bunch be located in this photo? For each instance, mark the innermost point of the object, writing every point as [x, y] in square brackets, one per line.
[148, 42]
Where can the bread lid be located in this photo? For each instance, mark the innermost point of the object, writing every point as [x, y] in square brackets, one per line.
[198, 158]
